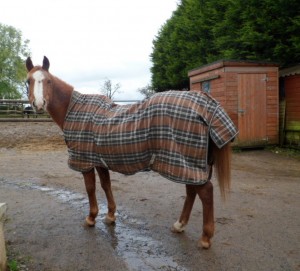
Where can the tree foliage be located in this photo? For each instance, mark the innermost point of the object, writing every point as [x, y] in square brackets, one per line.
[13, 51]
[203, 31]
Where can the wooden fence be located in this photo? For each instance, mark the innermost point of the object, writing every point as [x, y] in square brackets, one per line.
[20, 110]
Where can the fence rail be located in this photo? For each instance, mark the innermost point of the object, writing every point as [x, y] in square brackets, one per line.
[16, 110]
[20, 110]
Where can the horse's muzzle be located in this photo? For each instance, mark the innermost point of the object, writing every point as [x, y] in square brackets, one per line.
[39, 108]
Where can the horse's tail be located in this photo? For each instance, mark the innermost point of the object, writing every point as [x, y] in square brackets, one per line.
[222, 167]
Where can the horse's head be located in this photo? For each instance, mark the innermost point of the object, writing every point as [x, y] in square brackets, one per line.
[39, 84]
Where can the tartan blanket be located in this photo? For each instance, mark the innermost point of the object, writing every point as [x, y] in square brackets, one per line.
[168, 133]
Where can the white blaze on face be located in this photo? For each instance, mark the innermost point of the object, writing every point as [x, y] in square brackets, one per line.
[38, 90]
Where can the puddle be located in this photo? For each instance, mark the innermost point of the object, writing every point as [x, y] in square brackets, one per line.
[129, 237]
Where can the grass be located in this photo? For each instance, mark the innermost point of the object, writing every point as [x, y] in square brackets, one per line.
[13, 265]
[15, 261]
[286, 151]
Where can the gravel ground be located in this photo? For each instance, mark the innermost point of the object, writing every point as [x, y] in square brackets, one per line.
[256, 229]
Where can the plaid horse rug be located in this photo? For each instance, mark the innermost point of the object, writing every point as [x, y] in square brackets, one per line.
[168, 133]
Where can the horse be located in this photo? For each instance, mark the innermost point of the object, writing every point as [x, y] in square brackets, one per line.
[182, 135]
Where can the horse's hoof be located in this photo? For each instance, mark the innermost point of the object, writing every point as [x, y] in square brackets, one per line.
[110, 219]
[177, 227]
[204, 242]
[89, 222]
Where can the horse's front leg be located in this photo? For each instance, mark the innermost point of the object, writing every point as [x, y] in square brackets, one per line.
[106, 186]
[186, 211]
[90, 185]
[206, 195]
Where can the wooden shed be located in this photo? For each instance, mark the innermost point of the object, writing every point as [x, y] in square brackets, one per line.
[290, 106]
[249, 93]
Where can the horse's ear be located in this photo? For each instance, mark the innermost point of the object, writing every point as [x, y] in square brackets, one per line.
[29, 64]
[46, 64]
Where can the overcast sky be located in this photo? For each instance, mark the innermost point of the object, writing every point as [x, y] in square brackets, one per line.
[89, 41]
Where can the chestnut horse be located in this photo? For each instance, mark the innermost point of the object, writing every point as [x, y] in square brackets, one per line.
[47, 92]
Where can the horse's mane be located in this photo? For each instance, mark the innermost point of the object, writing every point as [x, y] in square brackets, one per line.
[58, 83]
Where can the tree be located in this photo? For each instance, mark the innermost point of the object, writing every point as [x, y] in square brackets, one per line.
[202, 31]
[13, 52]
[260, 30]
[167, 56]
[147, 91]
[183, 43]
[108, 89]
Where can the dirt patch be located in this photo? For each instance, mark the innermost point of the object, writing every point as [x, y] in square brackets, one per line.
[31, 136]
[257, 229]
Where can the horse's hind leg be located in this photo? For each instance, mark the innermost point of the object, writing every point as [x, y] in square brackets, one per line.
[186, 211]
[90, 185]
[205, 193]
[106, 186]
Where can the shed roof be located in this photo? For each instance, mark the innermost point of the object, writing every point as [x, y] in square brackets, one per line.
[293, 70]
[227, 63]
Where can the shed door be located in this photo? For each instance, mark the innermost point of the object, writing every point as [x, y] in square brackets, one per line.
[252, 108]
